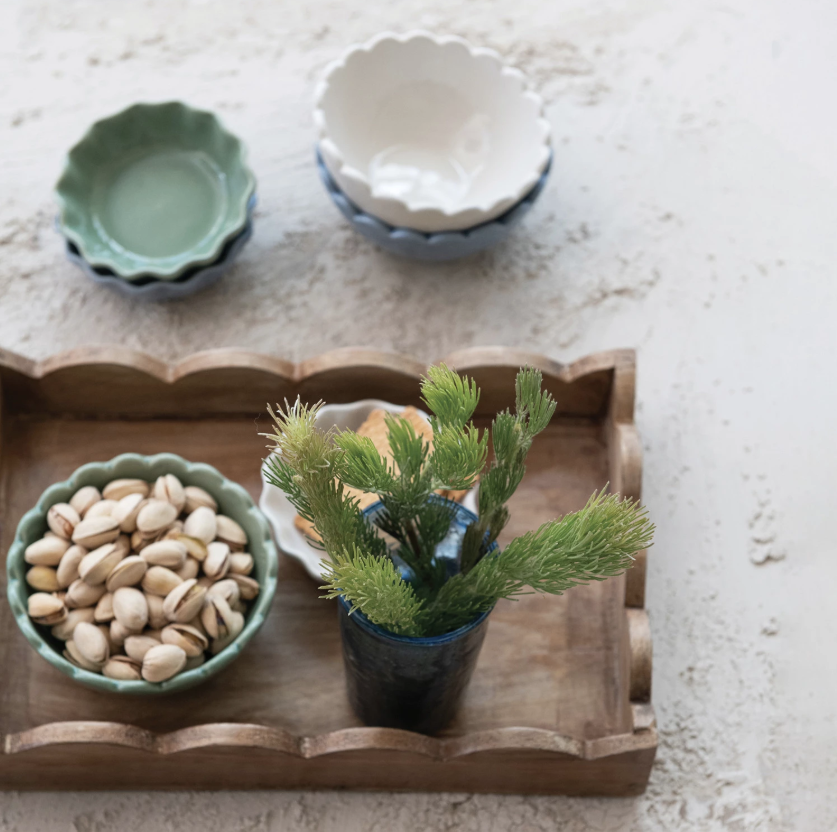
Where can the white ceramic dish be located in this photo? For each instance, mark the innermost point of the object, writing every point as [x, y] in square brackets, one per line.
[436, 248]
[428, 133]
[278, 509]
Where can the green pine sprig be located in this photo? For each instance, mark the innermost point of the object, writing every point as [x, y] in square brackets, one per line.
[314, 468]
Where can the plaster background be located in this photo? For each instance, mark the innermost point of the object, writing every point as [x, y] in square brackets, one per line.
[689, 214]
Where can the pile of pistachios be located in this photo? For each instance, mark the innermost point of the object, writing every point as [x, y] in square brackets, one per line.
[141, 580]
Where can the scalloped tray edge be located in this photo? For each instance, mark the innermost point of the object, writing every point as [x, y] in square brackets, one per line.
[219, 735]
[225, 358]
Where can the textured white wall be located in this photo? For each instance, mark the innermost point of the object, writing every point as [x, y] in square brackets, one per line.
[690, 214]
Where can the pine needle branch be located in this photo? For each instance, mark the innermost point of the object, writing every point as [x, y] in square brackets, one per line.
[374, 586]
[593, 544]
[451, 398]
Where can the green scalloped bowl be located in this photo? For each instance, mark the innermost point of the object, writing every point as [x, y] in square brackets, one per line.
[233, 501]
[154, 190]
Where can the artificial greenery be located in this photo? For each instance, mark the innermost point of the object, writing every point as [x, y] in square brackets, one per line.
[314, 468]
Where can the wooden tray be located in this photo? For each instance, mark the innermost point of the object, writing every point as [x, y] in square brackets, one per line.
[559, 703]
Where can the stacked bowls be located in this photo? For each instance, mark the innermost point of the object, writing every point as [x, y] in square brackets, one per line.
[156, 201]
[430, 147]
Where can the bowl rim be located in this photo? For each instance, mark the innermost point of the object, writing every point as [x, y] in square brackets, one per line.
[201, 255]
[446, 219]
[17, 590]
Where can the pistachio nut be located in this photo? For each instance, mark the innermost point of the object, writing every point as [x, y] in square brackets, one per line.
[91, 643]
[248, 587]
[104, 508]
[156, 617]
[241, 563]
[201, 524]
[126, 512]
[95, 566]
[189, 569]
[160, 580]
[64, 630]
[73, 654]
[103, 614]
[155, 516]
[192, 640]
[123, 668]
[170, 553]
[198, 625]
[195, 548]
[93, 532]
[119, 632]
[85, 497]
[172, 531]
[123, 543]
[139, 541]
[61, 595]
[169, 488]
[228, 531]
[81, 594]
[226, 589]
[130, 608]
[217, 562]
[197, 497]
[128, 572]
[62, 518]
[239, 606]
[47, 551]
[216, 617]
[113, 648]
[235, 626]
[43, 578]
[46, 609]
[137, 646]
[67, 571]
[162, 662]
[184, 602]
[117, 489]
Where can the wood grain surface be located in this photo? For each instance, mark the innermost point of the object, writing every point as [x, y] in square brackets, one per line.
[559, 702]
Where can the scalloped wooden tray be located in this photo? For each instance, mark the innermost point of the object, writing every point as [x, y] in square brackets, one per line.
[560, 700]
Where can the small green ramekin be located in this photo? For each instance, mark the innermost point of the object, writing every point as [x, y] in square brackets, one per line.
[154, 190]
[233, 501]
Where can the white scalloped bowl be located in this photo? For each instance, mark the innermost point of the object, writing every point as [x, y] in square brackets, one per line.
[429, 133]
[277, 507]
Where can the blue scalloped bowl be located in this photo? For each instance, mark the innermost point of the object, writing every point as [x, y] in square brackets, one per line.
[189, 283]
[417, 245]
[233, 501]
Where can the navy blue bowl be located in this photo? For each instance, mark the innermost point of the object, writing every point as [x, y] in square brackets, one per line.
[416, 684]
[446, 245]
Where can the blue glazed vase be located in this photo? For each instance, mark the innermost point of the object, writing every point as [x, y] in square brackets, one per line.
[405, 682]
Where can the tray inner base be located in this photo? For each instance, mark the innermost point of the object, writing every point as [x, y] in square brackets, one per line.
[549, 663]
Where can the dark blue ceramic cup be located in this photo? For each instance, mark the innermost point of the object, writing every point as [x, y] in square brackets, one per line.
[404, 682]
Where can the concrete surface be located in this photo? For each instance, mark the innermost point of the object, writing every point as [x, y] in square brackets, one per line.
[690, 214]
